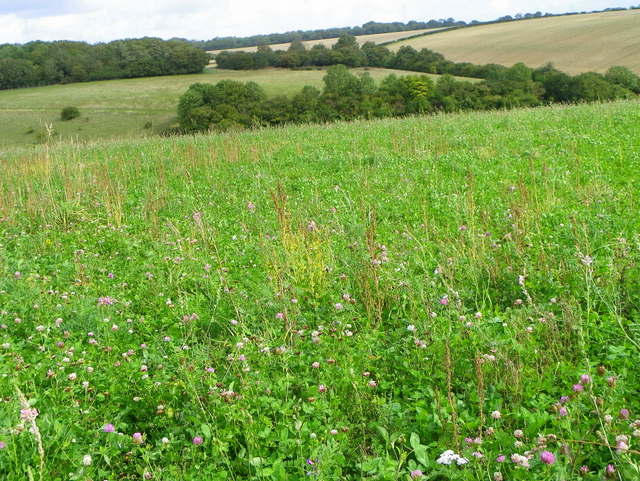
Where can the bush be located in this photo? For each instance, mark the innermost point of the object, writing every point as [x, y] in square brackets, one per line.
[69, 113]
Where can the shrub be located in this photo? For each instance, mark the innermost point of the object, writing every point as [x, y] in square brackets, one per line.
[69, 113]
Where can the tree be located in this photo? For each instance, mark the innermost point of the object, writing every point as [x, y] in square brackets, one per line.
[623, 77]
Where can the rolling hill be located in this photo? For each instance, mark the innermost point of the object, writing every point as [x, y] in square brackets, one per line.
[122, 108]
[573, 43]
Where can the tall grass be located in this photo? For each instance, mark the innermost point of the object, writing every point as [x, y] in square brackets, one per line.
[336, 302]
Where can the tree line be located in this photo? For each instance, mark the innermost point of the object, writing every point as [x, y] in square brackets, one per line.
[44, 63]
[231, 104]
[369, 28]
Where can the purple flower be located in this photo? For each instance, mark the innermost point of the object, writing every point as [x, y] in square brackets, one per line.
[578, 388]
[137, 438]
[501, 458]
[444, 300]
[547, 457]
[564, 399]
[610, 471]
[197, 440]
[108, 428]
[624, 413]
[585, 379]
[106, 301]
[563, 411]
[3, 445]
[416, 474]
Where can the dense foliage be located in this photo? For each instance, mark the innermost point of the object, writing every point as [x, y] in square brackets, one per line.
[43, 63]
[446, 299]
[232, 104]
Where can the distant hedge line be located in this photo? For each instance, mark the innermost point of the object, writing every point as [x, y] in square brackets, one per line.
[44, 63]
[230, 104]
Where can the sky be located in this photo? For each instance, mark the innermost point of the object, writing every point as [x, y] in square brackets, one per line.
[104, 20]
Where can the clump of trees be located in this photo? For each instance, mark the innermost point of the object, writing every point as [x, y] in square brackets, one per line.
[345, 96]
[44, 63]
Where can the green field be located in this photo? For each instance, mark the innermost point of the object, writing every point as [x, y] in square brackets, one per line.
[341, 302]
[121, 108]
[574, 43]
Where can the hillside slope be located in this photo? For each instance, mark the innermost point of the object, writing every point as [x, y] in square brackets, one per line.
[293, 303]
[122, 108]
[574, 43]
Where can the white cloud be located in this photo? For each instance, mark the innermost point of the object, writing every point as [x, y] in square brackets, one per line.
[93, 20]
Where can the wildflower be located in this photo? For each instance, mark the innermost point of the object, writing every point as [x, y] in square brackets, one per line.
[578, 388]
[165, 440]
[496, 414]
[610, 471]
[147, 475]
[416, 474]
[520, 460]
[106, 301]
[563, 411]
[29, 414]
[477, 454]
[315, 365]
[584, 470]
[518, 433]
[501, 458]
[585, 379]
[547, 457]
[333, 432]
[497, 476]
[372, 383]
[137, 438]
[86, 460]
[564, 399]
[322, 388]
[444, 300]
[3, 445]
[338, 306]
[197, 440]
[624, 413]
[449, 457]
[251, 206]
[411, 328]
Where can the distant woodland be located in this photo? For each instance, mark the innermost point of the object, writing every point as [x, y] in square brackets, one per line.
[45, 63]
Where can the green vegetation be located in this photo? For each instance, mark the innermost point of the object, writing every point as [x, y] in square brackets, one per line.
[121, 108]
[69, 113]
[346, 96]
[574, 43]
[327, 302]
[45, 63]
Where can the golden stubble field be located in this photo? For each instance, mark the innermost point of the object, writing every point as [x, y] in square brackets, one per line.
[574, 43]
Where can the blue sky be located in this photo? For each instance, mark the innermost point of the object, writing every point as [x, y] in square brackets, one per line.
[104, 20]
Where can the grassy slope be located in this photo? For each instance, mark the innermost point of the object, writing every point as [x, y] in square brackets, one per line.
[328, 42]
[535, 189]
[574, 43]
[120, 108]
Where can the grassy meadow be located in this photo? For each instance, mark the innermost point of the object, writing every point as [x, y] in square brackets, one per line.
[130, 107]
[454, 297]
[328, 42]
[574, 43]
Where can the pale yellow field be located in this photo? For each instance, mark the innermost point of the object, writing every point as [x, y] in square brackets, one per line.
[328, 42]
[574, 43]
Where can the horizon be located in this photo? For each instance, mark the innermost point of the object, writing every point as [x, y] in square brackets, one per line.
[38, 21]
